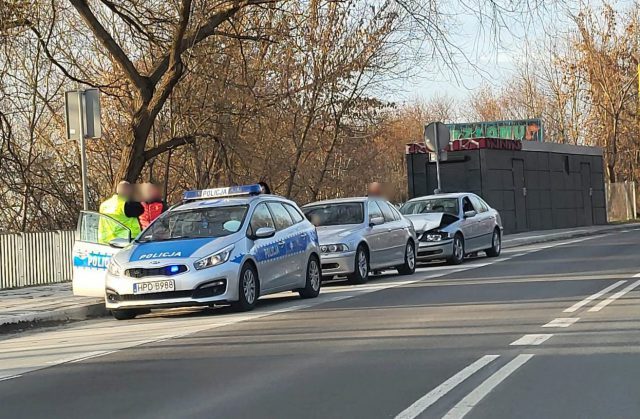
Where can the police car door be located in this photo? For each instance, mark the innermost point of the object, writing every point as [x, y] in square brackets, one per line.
[91, 253]
[265, 250]
[289, 261]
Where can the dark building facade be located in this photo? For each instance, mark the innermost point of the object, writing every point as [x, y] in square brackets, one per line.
[535, 186]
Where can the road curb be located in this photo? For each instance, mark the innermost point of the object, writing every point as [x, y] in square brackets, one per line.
[52, 318]
[525, 241]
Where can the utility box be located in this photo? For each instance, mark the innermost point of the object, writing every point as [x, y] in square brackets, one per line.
[534, 185]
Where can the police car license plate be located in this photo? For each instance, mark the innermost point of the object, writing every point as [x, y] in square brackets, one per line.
[155, 286]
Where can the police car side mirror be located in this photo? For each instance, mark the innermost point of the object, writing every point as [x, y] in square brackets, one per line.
[119, 243]
[265, 232]
[376, 221]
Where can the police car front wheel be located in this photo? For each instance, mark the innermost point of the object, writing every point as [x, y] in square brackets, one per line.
[248, 289]
[314, 279]
[124, 314]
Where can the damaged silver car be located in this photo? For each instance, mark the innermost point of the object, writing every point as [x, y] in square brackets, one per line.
[452, 226]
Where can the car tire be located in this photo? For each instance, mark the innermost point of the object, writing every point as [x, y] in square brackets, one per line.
[124, 314]
[313, 280]
[248, 289]
[409, 266]
[496, 242]
[361, 274]
[457, 256]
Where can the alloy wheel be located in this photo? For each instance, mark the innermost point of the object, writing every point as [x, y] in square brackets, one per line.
[249, 286]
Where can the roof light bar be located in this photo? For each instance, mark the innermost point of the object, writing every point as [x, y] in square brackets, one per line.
[244, 190]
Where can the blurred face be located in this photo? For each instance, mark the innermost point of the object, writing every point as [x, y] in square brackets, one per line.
[125, 190]
[375, 189]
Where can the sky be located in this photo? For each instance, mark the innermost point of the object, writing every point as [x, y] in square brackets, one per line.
[495, 62]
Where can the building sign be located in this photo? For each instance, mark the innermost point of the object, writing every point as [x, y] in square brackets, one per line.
[526, 129]
[485, 143]
[471, 144]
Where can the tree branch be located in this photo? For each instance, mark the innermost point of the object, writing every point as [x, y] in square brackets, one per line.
[107, 41]
[168, 145]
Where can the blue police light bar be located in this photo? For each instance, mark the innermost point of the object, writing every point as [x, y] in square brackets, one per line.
[222, 192]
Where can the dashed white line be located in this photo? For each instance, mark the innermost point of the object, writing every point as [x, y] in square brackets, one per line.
[531, 340]
[436, 394]
[614, 297]
[562, 322]
[465, 405]
[589, 299]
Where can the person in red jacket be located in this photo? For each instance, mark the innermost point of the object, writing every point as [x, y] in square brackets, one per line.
[152, 203]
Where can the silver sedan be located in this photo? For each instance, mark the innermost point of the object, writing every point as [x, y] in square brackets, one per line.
[358, 235]
[451, 226]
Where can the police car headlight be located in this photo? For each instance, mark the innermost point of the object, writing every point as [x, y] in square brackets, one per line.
[215, 259]
[334, 248]
[114, 269]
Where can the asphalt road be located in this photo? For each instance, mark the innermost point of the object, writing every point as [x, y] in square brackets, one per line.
[527, 335]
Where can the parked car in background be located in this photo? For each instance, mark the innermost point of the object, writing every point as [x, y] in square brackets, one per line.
[450, 226]
[358, 235]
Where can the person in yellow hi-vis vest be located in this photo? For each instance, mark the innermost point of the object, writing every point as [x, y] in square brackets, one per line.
[121, 208]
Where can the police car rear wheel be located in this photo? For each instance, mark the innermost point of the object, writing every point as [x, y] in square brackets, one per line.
[124, 314]
[248, 289]
[314, 279]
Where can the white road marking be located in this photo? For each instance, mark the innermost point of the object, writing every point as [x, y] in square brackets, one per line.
[614, 297]
[562, 322]
[436, 394]
[637, 275]
[465, 405]
[589, 299]
[11, 377]
[103, 353]
[531, 340]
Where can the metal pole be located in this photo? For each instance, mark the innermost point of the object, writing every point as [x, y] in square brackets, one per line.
[437, 147]
[83, 154]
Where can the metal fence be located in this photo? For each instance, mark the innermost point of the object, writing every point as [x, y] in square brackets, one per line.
[35, 258]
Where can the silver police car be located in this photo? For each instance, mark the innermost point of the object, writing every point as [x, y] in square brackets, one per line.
[451, 226]
[359, 235]
[225, 245]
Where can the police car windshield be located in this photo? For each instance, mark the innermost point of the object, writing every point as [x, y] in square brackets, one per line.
[196, 223]
[335, 214]
[447, 205]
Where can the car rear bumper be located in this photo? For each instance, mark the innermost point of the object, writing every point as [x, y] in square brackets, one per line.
[434, 250]
[338, 264]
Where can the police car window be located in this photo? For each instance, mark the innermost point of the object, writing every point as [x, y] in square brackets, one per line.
[196, 223]
[374, 210]
[280, 215]
[479, 206]
[98, 228]
[261, 218]
[294, 213]
[388, 214]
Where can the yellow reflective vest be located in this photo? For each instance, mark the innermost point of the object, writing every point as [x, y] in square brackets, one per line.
[107, 229]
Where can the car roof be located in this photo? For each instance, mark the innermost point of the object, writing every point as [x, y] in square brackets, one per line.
[441, 195]
[339, 201]
[226, 202]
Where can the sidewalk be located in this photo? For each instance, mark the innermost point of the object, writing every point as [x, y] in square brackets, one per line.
[534, 237]
[26, 308]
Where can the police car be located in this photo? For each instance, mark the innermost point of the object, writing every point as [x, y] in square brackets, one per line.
[225, 245]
